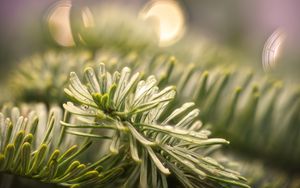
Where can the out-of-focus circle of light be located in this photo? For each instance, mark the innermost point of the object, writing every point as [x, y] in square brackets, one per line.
[59, 23]
[88, 22]
[272, 49]
[87, 18]
[169, 20]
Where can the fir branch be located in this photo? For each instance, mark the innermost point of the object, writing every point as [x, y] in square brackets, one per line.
[224, 97]
[132, 108]
[45, 76]
[29, 149]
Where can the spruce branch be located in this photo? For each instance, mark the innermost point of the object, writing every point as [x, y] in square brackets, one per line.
[258, 113]
[29, 149]
[45, 76]
[223, 93]
[131, 108]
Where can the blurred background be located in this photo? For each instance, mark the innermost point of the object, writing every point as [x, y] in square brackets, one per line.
[244, 26]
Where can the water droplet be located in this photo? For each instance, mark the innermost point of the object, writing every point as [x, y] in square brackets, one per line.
[272, 49]
[168, 18]
[84, 107]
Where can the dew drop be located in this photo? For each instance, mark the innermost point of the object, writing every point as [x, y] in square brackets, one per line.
[84, 107]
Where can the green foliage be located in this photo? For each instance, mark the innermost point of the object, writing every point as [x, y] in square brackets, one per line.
[130, 108]
[258, 114]
[29, 148]
[45, 76]
[126, 132]
[262, 175]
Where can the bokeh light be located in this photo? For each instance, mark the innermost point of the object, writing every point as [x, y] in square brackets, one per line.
[87, 18]
[272, 49]
[59, 23]
[169, 19]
